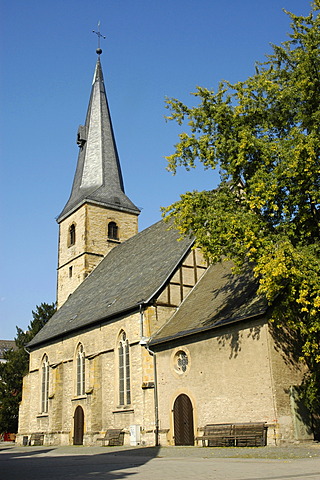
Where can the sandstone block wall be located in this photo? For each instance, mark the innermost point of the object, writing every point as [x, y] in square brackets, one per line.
[100, 402]
[77, 261]
[293, 420]
[230, 378]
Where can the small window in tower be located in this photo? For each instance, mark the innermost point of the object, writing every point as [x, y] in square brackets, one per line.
[72, 235]
[113, 231]
[70, 272]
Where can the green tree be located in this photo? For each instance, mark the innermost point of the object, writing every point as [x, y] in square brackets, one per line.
[263, 134]
[16, 366]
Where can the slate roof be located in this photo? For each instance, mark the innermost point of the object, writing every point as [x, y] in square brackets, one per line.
[131, 274]
[219, 298]
[98, 177]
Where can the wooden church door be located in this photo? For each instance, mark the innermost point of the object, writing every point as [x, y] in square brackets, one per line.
[183, 421]
[78, 426]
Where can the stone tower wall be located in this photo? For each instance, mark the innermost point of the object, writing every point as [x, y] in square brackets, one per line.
[76, 262]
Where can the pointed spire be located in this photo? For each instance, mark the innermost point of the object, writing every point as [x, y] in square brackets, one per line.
[98, 177]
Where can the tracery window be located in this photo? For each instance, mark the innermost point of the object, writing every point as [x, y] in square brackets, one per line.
[80, 371]
[113, 231]
[124, 370]
[72, 235]
[44, 384]
[181, 362]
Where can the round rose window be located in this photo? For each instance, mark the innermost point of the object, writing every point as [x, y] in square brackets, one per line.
[181, 362]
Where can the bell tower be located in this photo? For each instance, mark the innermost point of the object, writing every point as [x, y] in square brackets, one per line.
[98, 214]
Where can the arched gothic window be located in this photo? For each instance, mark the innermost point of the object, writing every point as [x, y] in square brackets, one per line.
[72, 235]
[113, 231]
[80, 371]
[124, 371]
[44, 384]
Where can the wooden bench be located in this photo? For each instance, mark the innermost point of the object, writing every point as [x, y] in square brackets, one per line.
[36, 439]
[113, 437]
[250, 434]
[217, 435]
[234, 435]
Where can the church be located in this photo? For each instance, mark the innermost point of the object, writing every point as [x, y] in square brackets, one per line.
[149, 344]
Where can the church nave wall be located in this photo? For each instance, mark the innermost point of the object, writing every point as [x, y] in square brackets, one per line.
[100, 398]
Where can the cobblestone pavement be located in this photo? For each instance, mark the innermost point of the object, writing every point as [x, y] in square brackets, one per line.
[160, 463]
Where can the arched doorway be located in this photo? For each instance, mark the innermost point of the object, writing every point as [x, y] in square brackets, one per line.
[183, 421]
[78, 424]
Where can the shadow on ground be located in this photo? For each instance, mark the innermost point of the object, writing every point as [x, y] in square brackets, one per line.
[72, 463]
[116, 463]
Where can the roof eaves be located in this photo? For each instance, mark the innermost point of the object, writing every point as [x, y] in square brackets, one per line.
[79, 328]
[87, 200]
[214, 326]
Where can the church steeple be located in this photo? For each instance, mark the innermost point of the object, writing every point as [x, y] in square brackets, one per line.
[98, 214]
[98, 177]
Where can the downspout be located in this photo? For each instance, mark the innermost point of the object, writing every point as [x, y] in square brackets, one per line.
[144, 342]
[141, 320]
[155, 392]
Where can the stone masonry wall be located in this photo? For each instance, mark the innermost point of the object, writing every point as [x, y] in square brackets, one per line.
[293, 421]
[77, 261]
[100, 401]
[228, 378]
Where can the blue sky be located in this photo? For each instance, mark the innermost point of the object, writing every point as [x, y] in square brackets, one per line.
[153, 49]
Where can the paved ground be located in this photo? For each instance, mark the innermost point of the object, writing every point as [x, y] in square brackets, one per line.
[162, 463]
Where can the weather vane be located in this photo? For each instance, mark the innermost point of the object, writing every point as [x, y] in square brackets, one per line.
[99, 51]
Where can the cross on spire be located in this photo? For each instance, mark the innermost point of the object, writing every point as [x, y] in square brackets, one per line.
[99, 35]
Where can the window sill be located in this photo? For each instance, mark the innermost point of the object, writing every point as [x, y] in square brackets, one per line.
[124, 410]
[43, 415]
[78, 397]
[146, 385]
